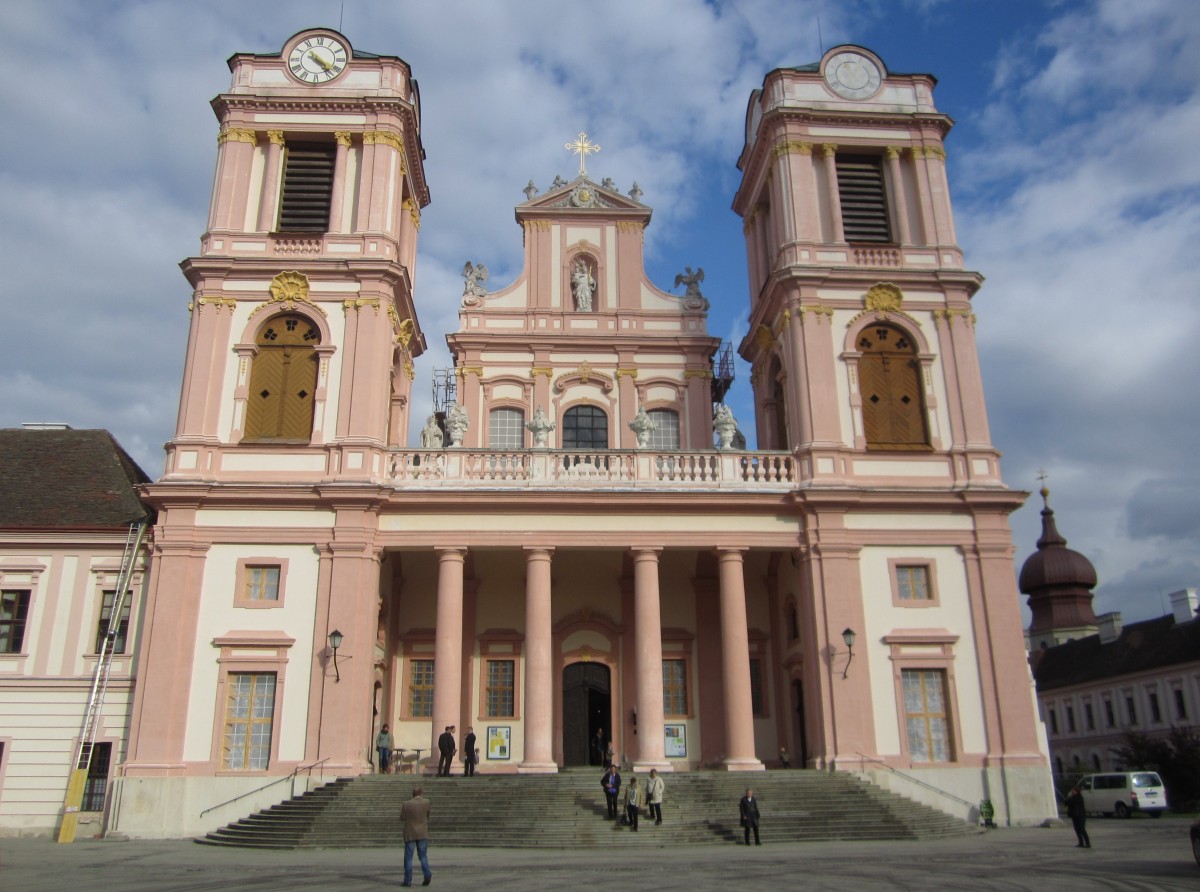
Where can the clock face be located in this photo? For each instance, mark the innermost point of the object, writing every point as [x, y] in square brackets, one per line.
[317, 60]
[852, 76]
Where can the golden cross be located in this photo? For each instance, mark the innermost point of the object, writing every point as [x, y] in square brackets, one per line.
[582, 147]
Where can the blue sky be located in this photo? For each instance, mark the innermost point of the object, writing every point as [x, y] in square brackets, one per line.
[1072, 167]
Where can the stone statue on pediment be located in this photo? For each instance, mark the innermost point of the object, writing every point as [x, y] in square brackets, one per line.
[643, 426]
[540, 427]
[431, 434]
[724, 426]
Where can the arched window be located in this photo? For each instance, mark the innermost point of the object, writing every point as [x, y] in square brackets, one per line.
[506, 429]
[893, 403]
[666, 435]
[283, 380]
[585, 427]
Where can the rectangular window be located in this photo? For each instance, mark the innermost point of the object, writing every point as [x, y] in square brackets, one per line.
[913, 583]
[675, 700]
[249, 713]
[926, 716]
[1131, 710]
[14, 608]
[1071, 719]
[665, 437]
[261, 583]
[1089, 717]
[863, 197]
[1109, 716]
[420, 689]
[121, 629]
[307, 187]
[1180, 704]
[501, 702]
[97, 778]
[756, 688]
[1155, 710]
[1053, 716]
[506, 429]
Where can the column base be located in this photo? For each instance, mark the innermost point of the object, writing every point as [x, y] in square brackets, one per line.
[537, 768]
[644, 766]
[742, 765]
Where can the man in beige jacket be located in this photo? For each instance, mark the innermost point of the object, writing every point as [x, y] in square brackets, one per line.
[415, 814]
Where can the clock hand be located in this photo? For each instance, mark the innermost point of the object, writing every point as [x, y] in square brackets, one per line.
[319, 60]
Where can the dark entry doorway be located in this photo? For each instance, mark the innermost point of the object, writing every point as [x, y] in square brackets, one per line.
[587, 708]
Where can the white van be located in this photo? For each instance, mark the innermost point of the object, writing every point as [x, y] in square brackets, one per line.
[1124, 792]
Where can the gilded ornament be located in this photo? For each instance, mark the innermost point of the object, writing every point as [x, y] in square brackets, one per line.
[892, 152]
[410, 369]
[536, 370]
[791, 147]
[275, 137]
[883, 297]
[412, 212]
[829, 149]
[404, 333]
[766, 340]
[688, 374]
[342, 138]
[631, 373]
[237, 134]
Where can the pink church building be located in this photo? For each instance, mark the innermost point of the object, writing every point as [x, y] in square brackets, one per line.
[578, 544]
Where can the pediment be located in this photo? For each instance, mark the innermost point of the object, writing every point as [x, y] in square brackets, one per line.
[582, 194]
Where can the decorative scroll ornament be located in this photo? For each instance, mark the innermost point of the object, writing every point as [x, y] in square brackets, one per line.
[290, 288]
[404, 334]
[884, 297]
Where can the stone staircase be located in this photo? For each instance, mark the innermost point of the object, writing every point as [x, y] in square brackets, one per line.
[567, 810]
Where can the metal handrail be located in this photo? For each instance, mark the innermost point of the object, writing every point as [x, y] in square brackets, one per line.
[919, 782]
[277, 780]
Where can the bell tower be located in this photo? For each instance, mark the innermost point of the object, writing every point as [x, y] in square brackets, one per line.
[303, 329]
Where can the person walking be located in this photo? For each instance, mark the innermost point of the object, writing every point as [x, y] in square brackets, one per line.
[748, 809]
[415, 814]
[1077, 812]
[599, 747]
[633, 803]
[383, 746]
[447, 749]
[470, 755]
[654, 795]
[610, 783]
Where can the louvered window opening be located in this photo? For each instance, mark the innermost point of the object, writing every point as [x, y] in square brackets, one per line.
[307, 188]
[863, 195]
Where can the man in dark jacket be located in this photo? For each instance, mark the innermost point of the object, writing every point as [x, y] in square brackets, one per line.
[611, 784]
[1077, 812]
[415, 815]
[469, 753]
[447, 748]
[748, 809]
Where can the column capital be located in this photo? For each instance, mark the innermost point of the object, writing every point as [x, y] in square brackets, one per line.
[646, 552]
[533, 551]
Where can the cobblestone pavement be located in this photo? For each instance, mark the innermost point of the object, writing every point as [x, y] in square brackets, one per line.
[1127, 855]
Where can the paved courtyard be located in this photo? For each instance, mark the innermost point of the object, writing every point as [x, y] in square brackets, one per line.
[1126, 855]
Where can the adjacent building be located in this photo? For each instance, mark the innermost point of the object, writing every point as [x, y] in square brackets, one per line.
[577, 545]
[67, 501]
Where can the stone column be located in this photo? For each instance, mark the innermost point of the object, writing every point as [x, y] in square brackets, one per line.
[735, 660]
[539, 661]
[339, 180]
[899, 203]
[829, 155]
[447, 655]
[648, 648]
[269, 200]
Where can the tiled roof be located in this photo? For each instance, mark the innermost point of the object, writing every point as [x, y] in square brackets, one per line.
[67, 479]
[1142, 647]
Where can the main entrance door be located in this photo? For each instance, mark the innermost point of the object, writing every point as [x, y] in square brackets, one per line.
[587, 708]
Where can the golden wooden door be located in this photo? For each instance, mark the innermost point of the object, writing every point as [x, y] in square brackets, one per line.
[283, 381]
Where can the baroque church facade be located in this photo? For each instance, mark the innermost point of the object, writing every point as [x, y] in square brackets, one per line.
[577, 546]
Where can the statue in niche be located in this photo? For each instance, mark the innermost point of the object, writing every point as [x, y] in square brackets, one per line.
[431, 434]
[474, 277]
[642, 426]
[540, 427]
[456, 423]
[583, 285]
[725, 426]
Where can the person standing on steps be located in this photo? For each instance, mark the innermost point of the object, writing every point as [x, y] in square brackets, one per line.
[654, 795]
[1077, 812]
[469, 753]
[447, 749]
[415, 814]
[748, 809]
[633, 803]
[383, 746]
[610, 783]
[599, 747]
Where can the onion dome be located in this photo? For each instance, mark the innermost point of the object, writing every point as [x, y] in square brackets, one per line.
[1058, 581]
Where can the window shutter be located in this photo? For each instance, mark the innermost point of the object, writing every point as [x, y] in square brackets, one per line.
[307, 188]
[864, 198]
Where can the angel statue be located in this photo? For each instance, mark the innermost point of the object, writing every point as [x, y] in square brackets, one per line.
[692, 280]
[474, 277]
